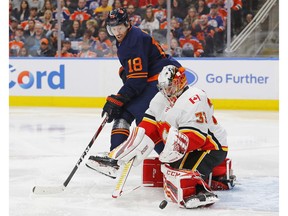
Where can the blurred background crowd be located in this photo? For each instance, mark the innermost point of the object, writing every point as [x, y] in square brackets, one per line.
[197, 27]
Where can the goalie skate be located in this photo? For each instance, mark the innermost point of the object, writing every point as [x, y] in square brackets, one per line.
[202, 199]
[222, 183]
[103, 164]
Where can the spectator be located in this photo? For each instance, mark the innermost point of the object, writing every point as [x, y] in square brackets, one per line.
[87, 36]
[179, 9]
[191, 16]
[102, 19]
[36, 3]
[103, 44]
[30, 29]
[12, 27]
[85, 51]
[23, 52]
[52, 36]
[12, 11]
[202, 8]
[149, 22]
[222, 11]
[44, 50]
[74, 32]
[33, 13]
[103, 8]
[65, 48]
[249, 17]
[54, 30]
[72, 5]
[117, 4]
[92, 25]
[176, 50]
[160, 13]
[47, 6]
[134, 18]
[191, 47]
[92, 5]
[205, 34]
[17, 42]
[70, 49]
[20, 33]
[176, 27]
[81, 13]
[32, 16]
[65, 13]
[47, 19]
[236, 14]
[113, 52]
[217, 22]
[33, 42]
[24, 11]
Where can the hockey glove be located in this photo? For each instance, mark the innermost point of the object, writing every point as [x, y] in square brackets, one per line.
[113, 106]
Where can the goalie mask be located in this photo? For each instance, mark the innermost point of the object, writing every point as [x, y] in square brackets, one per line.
[116, 17]
[171, 82]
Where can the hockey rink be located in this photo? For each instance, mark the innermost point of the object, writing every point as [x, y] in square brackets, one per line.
[46, 143]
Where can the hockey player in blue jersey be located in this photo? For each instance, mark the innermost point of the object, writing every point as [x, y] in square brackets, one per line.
[142, 59]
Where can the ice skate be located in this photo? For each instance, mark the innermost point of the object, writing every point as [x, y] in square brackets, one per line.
[103, 164]
[202, 199]
[222, 183]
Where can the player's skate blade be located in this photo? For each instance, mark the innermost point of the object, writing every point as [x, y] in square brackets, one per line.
[204, 199]
[104, 165]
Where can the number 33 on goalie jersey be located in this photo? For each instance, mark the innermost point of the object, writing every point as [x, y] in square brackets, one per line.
[192, 114]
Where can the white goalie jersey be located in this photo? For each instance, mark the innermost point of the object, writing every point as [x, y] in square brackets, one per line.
[192, 114]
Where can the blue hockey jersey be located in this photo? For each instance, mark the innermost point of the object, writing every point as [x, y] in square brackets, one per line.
[142, 59]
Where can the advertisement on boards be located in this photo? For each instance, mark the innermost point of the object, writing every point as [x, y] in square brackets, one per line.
[221, 79]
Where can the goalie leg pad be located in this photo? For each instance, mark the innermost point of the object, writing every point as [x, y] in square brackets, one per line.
[186, 188]
[152, 175]
[222, 177]
[138, 146]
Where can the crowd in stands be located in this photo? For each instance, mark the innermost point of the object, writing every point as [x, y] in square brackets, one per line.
[198, 27]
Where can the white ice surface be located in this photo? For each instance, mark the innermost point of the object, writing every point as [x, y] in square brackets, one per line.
[46, 143]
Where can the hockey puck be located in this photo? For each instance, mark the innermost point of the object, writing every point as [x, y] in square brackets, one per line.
[163, 204]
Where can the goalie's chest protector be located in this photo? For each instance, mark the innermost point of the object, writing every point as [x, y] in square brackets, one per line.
[181, 114]
[166, 116]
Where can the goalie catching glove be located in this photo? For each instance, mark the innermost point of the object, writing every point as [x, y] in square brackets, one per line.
[138, 146]
[113, 106]
[175, 147]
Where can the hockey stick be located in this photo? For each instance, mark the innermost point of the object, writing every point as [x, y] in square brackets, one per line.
[39, 190]
[122, 179]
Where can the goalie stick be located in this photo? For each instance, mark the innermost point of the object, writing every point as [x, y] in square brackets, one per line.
[41, 190]
[122, 179]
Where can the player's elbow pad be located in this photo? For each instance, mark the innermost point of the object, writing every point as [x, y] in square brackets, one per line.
[122, 74]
